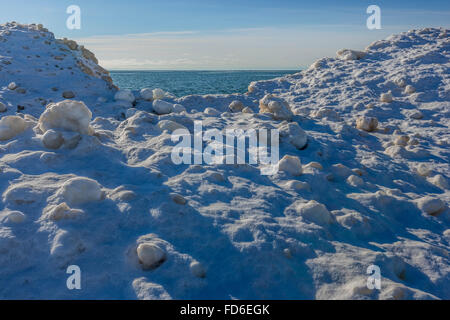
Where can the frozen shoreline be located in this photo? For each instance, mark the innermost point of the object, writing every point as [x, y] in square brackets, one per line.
[92, 184]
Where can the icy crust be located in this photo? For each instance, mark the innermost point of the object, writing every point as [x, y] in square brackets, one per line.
[362, 180]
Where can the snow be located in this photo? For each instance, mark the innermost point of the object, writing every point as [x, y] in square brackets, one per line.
[90, 181]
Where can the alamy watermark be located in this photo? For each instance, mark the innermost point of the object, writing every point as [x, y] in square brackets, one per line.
[73, 22]
[74, 280]
[374, 20]
[374, 279]
[232, 146]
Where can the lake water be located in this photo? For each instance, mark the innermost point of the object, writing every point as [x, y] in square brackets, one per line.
[182, 83]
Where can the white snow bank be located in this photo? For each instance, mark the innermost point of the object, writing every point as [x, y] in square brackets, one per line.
[67, 115]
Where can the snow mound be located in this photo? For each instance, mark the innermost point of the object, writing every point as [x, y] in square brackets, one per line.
[67, 115]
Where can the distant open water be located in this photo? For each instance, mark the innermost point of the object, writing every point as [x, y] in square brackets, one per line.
[182, 83]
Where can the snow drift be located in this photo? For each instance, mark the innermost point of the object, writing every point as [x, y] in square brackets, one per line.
[89, 181]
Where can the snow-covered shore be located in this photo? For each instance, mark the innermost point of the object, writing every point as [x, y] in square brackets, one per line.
[90, 182]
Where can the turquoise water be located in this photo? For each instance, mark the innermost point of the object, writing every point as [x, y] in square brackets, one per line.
[182, 83]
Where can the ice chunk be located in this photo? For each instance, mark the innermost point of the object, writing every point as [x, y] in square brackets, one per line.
[315, 212]
[67, 115]
[52, 139]
[430, 205]
[158, 94]
[150, 255]
[124, 95]
[296, 135]
[15, 217]
[11, 126]
[81, 190]
[197, 269]
[162, 107]
[236, 106]
[386, 97]
[291, 165]
[146, 94]
[367, 123]
[2, 107]
[347, 54]
[170, 125]
[279, 108]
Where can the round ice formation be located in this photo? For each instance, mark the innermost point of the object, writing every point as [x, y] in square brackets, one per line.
[291, 165]
[355, 181]
[146, 94]
[162, 107]
[430, 205]
[67, 115]
[236, 106]
[178, 108]
[16, 217]
[12, 86]
[315, 212]
[197, 269]
[158, 94]
[296, 135]
[368, 124]
[279, 108]
[170, 125]
[440, 181]
[52, 139]
[150, 255]
[81, 190]
[2, 107]
[347, 54]
[211, 112]
[11, 126]
[124, 95]
[386, 97]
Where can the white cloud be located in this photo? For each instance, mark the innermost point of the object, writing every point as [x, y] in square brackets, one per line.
[253, 48]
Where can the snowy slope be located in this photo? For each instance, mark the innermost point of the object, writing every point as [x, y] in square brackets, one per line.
[106, 196]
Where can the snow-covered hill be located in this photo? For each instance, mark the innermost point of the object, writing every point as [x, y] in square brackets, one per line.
[92, 183]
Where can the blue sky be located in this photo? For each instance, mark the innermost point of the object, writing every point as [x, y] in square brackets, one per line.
[232, 34]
